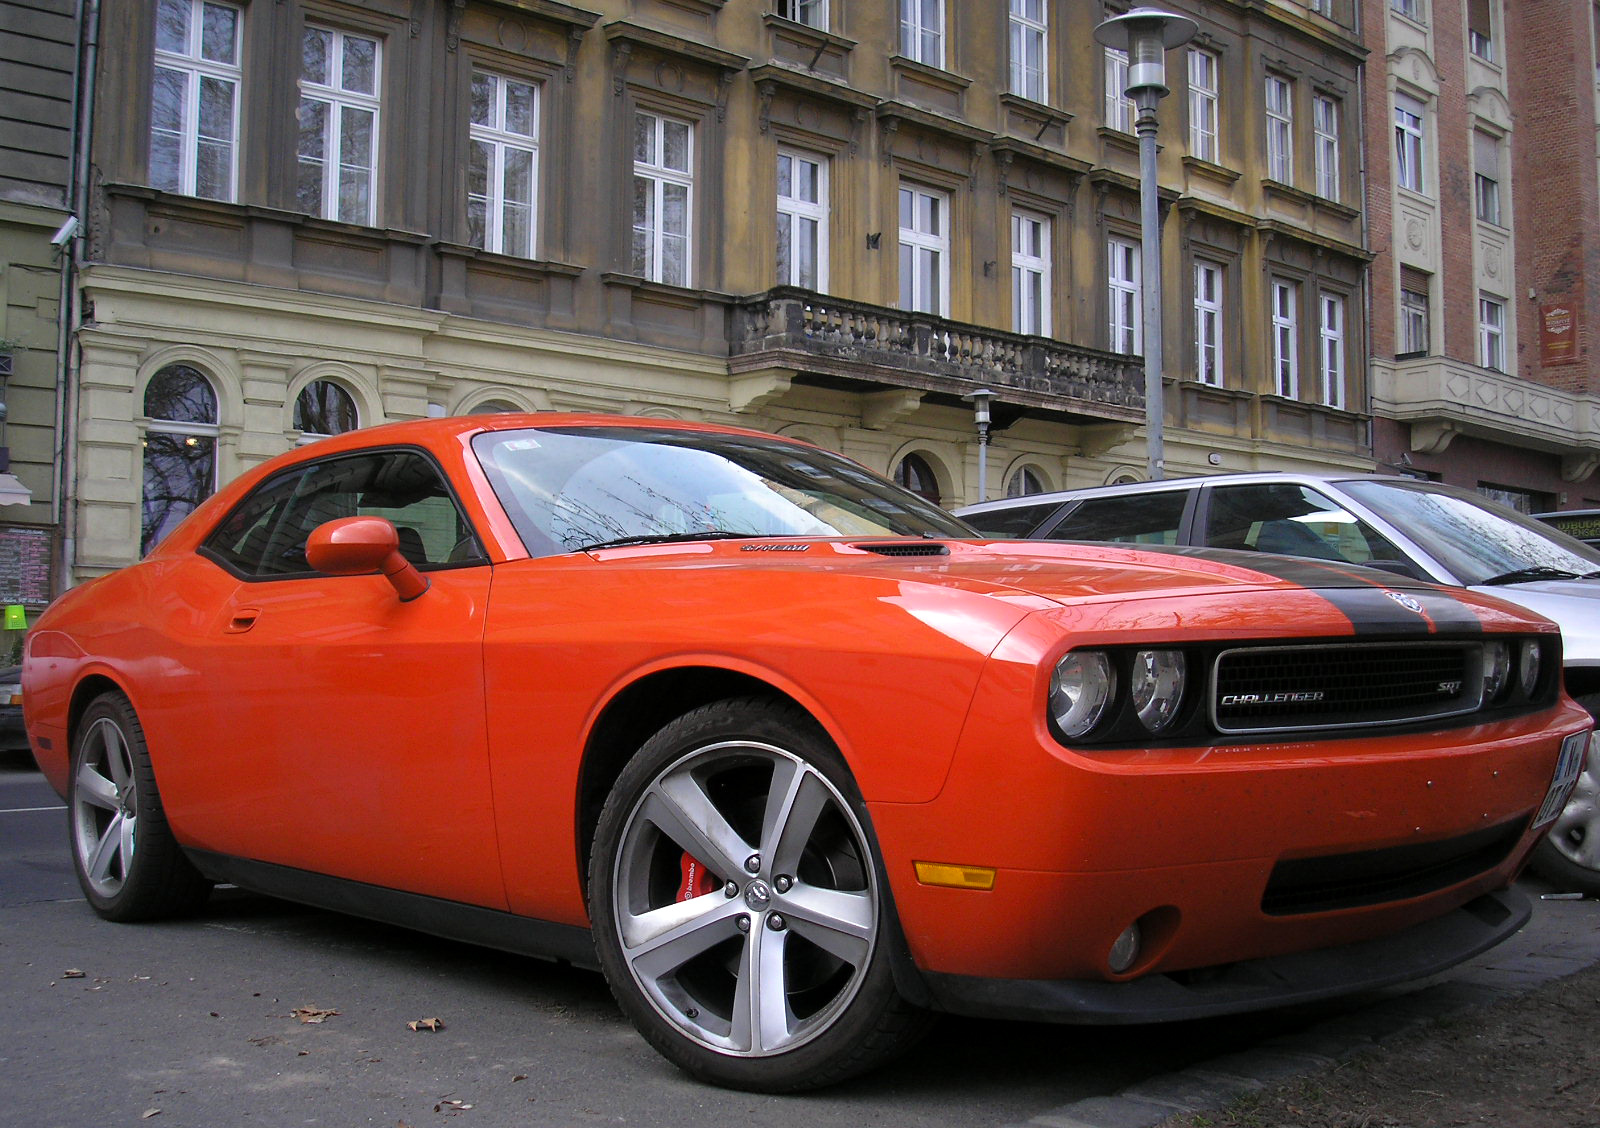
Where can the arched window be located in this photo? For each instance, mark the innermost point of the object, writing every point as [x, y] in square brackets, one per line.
[322, 409]
[496, 407]
[916, 475]
[180, 450]
[1024, 482]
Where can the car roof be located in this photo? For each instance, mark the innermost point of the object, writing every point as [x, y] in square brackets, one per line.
[1247, 478]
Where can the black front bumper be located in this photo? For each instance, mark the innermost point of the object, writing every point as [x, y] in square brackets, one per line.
[1301, 977]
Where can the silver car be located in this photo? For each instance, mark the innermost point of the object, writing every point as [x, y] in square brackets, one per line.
[1403, 525]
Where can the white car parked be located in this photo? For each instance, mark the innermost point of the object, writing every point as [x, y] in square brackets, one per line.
[1404, 525]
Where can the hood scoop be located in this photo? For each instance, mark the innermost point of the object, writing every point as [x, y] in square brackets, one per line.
[903, 548]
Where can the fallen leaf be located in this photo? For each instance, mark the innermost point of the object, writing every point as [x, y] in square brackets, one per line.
[519, 1077]
[313, 1014]
[149, 1112]
[429, 1024]
[72, 973]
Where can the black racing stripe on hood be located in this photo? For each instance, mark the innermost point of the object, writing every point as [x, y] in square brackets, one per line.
[1375, 601]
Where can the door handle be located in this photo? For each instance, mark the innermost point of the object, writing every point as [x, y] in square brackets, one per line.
[242, 620]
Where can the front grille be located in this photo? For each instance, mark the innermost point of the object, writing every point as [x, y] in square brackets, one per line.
[1281, 688]
[1374, 877]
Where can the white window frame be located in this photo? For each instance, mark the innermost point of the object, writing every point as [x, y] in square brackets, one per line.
[1332, 354]
[1031, 286]
[1411, 9]
[1030, 49]
[811, 13]
[1491, 333]
[1279, 101]
[658, 177]
[337, 99]
[1325, 129]
[1409, 143]
[1125, 294]
[1120, 110]
[924, 251]
[1416, 320]
[1204, 67]
[501, 142]
[1481, 44]
[794, 212]
[1286, 338]
[922, 31]
[195, 70]
[1208, 321]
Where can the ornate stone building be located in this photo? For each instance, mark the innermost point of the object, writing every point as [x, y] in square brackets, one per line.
[829, 218]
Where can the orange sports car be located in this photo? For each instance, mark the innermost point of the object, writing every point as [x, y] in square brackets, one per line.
[784, 750]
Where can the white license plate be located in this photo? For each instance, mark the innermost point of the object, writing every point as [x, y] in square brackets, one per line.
[1574, 752]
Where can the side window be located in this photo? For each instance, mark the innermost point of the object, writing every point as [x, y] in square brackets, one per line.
[265, 536]
[1294, 521]
[1014, 522]
[1131, 518]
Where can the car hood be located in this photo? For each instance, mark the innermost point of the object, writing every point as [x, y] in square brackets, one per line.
[1573, 604]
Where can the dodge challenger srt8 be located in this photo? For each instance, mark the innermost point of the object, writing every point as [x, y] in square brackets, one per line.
[785, 751]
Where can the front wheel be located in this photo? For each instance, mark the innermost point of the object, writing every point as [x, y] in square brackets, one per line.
[1569, 856]
[739, 908]
[128, 863]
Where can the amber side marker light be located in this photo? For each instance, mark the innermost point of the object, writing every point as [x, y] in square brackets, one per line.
[955, 877]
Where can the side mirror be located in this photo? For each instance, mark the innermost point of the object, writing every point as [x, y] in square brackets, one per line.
[359, 546]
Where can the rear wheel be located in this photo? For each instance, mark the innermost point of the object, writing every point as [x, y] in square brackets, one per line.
[128, 863]
[739, 909]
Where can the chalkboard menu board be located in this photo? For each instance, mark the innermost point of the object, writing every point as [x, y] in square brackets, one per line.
[24, 564]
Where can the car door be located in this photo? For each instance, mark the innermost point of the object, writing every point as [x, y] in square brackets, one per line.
[347, 726]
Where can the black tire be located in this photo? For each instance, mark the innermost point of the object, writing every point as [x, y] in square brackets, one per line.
[774, 975]
[1569, 856]
[128, 863]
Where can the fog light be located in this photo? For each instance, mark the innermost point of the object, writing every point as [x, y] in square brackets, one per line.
[1125, 952]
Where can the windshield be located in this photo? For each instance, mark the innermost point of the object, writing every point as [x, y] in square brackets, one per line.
[1477, 539]
[567, 489]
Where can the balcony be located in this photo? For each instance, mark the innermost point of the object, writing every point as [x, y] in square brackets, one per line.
[829, 342]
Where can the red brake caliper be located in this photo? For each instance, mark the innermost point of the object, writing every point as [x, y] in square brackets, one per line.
[697, 880]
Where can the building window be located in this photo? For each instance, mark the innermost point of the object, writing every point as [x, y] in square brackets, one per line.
[802, 220]
[1414, 328]
[1280, 130]
[922, 31]
[1480, 29]
[1203, 105]
[503, 165]
[1332, 355]
[338, 121]
[1408, 142]
[180, 450]
[1325, 126]
[1029, 41]
[663, 152]
[1486, 177]
[1119, 107]
[916, 475]
[1322, 7]
[1411, 9]
[812, 13]
[1286, 338]
[1023, 482]
[1030, 274]
[1122, 273]
[1208, 323]
[194, 100]
[924, 250]
[323, 408]
[1491, 333]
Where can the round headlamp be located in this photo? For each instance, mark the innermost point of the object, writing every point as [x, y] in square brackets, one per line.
[1496, 668]
[1529, 666]
[1156, 686]
[1080, 689]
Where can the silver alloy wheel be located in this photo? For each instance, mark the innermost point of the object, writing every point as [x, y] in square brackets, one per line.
[1576, 831]
[780, 945]
[105, 808]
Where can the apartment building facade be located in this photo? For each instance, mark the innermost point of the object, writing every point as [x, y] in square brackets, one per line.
[828, 218]
[1485, 209]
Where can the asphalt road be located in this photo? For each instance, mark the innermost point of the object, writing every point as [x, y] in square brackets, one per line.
[192, 1023]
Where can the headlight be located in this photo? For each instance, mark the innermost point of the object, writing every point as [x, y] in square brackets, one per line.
[1080, 689]
[1156, 686]
[1529, 668]
[1496, 666]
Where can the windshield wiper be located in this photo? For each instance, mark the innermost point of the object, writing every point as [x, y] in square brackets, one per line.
[1525, 575]
[665, 538]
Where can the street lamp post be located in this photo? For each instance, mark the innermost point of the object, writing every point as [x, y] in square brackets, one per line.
[1147, 34]
[980, 413]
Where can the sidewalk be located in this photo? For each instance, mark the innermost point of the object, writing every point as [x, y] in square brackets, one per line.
[1562, 939]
